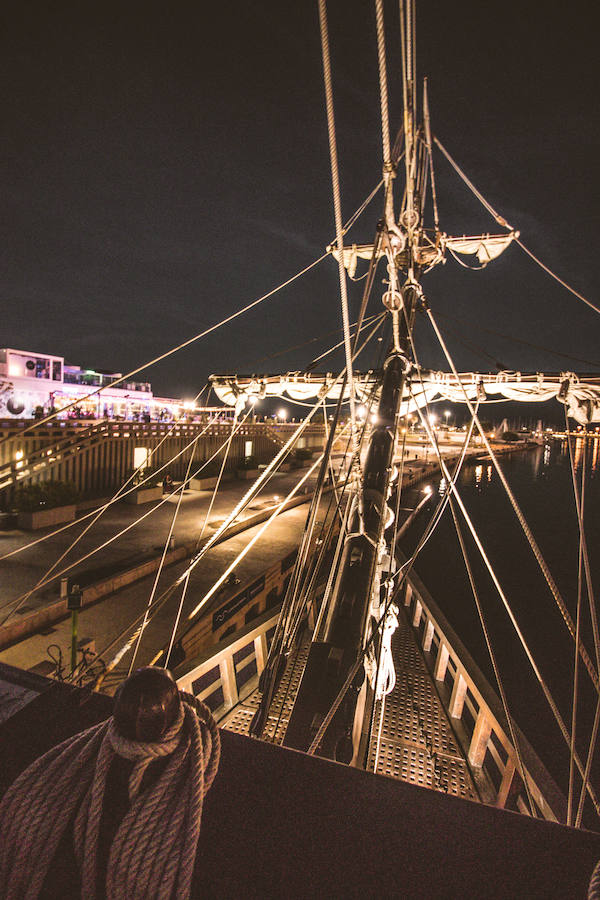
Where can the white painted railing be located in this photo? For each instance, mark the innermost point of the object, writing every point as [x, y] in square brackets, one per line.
[476, 712]
[229, 672]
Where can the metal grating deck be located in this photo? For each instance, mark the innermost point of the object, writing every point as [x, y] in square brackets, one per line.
[416, 741]
[281, 707]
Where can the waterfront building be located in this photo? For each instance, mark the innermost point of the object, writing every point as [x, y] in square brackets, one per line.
[33, 385]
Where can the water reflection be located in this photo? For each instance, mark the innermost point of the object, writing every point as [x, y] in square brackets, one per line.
[579, 443]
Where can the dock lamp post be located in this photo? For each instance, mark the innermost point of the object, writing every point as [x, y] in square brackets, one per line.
[74, 604]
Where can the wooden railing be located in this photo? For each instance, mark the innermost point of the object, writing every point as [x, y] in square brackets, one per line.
[477, 714]
[228, 672]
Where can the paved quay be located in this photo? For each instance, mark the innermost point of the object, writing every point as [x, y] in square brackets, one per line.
[105, 620]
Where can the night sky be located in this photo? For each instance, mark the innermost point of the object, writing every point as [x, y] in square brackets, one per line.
[162, 165]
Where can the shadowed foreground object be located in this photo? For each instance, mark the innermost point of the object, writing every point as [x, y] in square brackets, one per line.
[125, 796]
[278, 823]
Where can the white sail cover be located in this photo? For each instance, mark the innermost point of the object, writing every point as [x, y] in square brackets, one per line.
[582, 398]
[485, 247]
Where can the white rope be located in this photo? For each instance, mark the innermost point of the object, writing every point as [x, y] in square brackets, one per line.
[402, 573]
[204, 524]
[118, 495]
[547, 694]
[580, 504]
[427, 123]
[278, 509]
[181, 346]
[383, 86]
[246, 499]
[167, 542]
[348, 225]
[366, 322]
[492, 656]
[337, 206]
[518, 512]
[583, 557]
[502, 221]
[132, 524]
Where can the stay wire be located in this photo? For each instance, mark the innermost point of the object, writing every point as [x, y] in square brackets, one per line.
[583, 557]
[132, 524]
[97, 514]
[493, 660]
[337, 205]
[593, 672]
[516, 340]
[158, 604]
[541, 681]
[281, 640]
[173, 350]
[163, 557]
[403, 574]
[281, 633]
[580, 504]
[117, 496]
[47, 578]
[502, 221]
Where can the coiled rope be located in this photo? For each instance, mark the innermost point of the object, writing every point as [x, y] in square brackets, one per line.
[153, 851]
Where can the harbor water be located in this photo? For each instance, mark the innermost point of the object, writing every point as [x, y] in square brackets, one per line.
[541, 481]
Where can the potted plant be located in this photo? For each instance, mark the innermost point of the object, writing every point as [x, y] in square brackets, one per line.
[207, 477]
[148, 488]
[45, 504]
[248, 468]
[302, 456]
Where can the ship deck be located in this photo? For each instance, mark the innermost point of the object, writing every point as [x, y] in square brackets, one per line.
[412, 739]
[279, 823]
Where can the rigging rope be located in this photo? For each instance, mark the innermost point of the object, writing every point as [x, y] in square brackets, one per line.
[278, 509]
[492, 655]
[402, 575]
[502, 221]
[123, 531]
[173, 350]
[114, 498]
[383, 86]
[240, 506]
[593, 672]
[97, 514]
[516, 340]
[551, 702]
[164, 555]
[580, 504]
[337, 205]
[584, 557]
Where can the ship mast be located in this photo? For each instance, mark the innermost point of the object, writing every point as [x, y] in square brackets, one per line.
[353, 618]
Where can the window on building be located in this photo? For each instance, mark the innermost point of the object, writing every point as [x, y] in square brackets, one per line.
[140, 457]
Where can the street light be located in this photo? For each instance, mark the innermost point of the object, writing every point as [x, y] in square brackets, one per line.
[282, 414]
[446, 415]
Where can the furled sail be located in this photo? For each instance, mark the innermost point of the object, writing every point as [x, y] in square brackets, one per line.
[352, 254]
[582, 398]
[485, 247]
